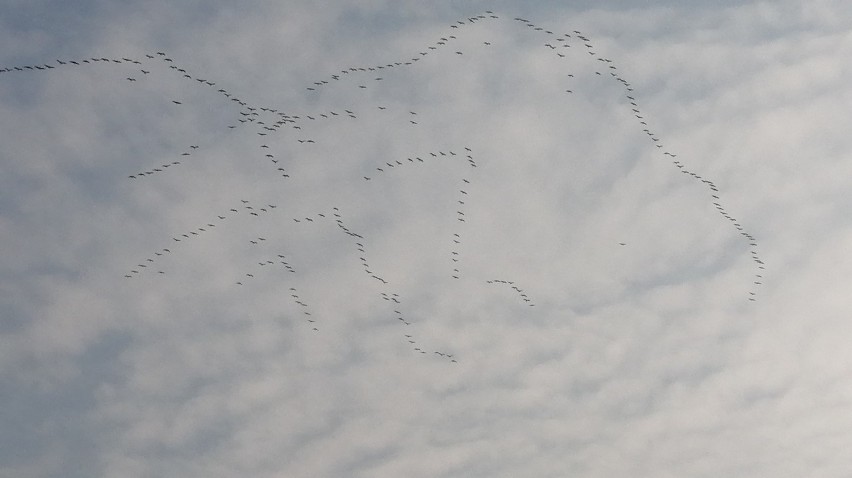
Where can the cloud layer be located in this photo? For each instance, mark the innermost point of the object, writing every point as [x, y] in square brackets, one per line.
[375, 240]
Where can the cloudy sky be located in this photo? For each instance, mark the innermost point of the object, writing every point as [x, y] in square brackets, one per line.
[457, 239]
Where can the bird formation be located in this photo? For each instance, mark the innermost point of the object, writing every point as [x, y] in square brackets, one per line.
[564, 40]
[268, 123]
[464, 185]
[517, 289]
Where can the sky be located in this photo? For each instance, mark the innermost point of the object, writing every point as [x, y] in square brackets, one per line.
[425, 239]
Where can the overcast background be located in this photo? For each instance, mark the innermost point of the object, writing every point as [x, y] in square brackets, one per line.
[605, 321]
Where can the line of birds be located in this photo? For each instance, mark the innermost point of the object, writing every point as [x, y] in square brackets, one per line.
[386, 294]
[517, 289]
[461, 217]
[655, 140]
[190, 234]
[442, 41]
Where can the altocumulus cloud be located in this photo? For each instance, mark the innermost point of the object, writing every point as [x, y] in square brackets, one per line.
[389, 240]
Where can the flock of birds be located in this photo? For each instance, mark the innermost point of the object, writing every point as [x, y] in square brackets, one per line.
[268, 123]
